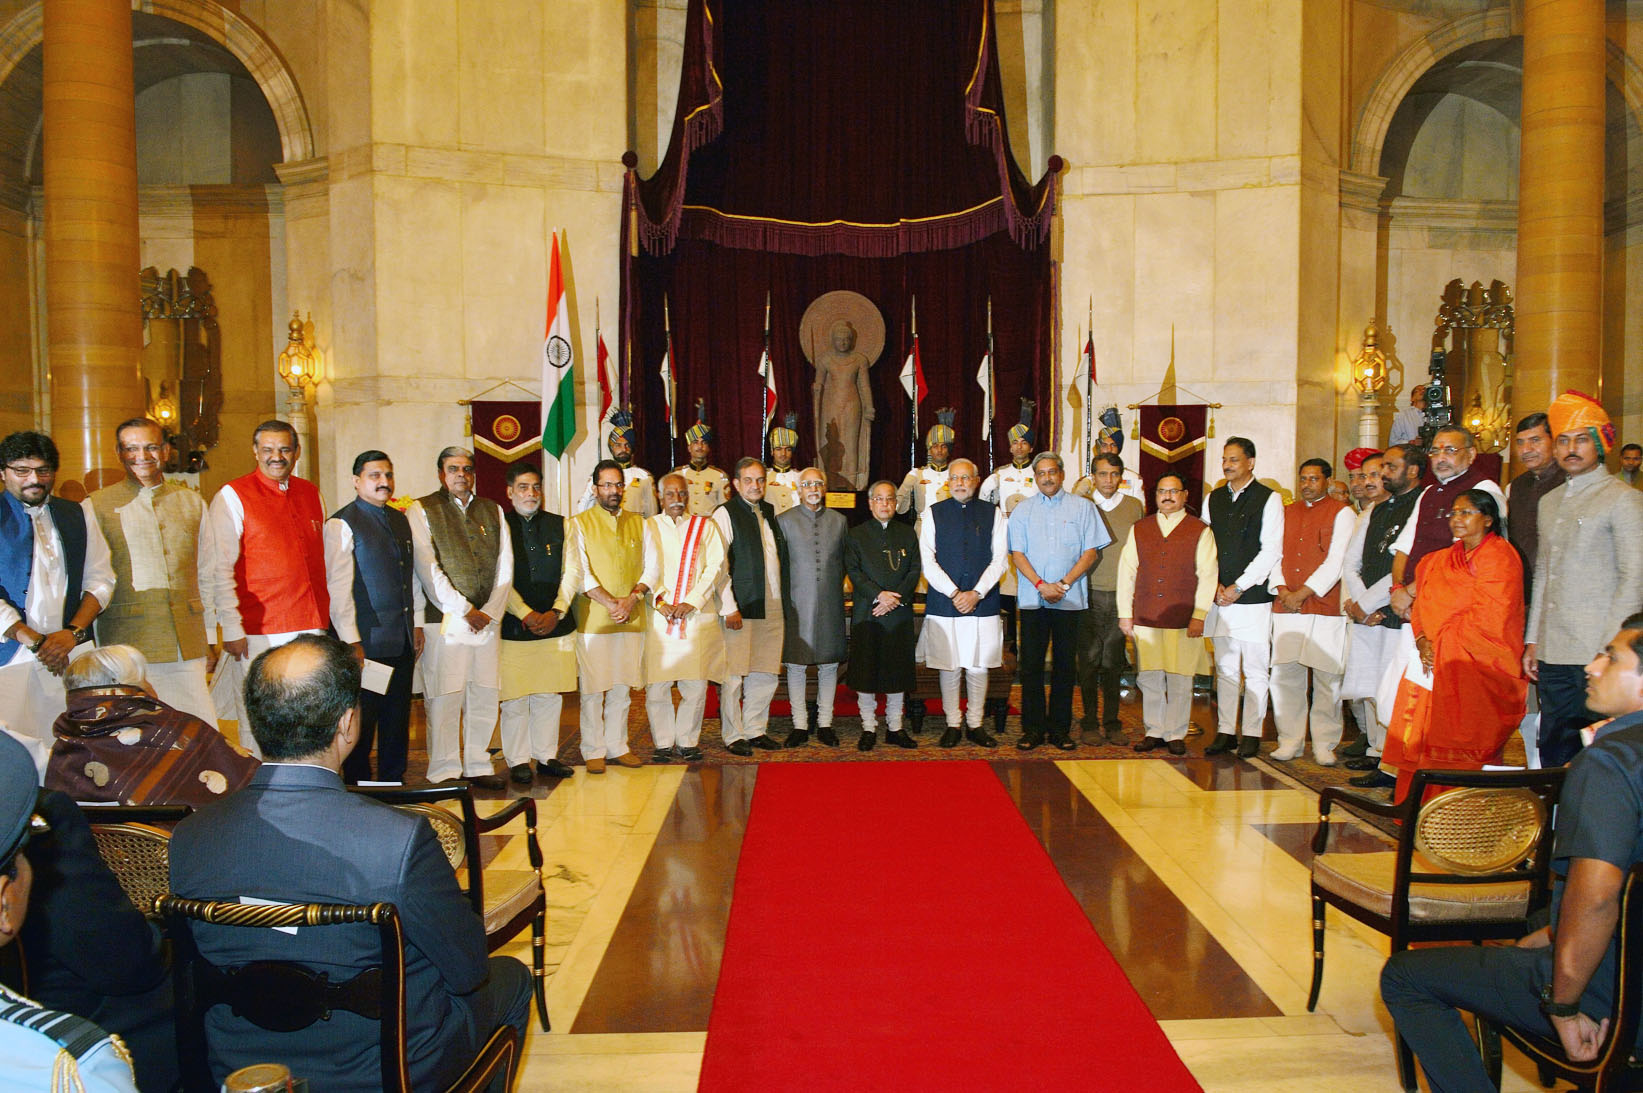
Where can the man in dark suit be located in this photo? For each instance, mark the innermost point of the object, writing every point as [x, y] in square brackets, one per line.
[881, 557]
[296, 835]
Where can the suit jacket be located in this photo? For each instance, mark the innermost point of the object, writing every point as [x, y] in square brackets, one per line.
[295, 834]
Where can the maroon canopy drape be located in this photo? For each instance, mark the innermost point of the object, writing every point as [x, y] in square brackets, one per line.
[838, 144]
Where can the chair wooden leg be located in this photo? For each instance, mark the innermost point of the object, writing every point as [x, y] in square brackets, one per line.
[1488, 1038]
[1317, 953]
[1406, 1064]
[539, 973]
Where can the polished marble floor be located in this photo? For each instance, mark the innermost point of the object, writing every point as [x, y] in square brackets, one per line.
[1192, 871]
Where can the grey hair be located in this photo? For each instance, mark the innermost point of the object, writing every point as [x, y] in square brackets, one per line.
[450, 453]
[1060, 463]
[107, 666]
[967, 462]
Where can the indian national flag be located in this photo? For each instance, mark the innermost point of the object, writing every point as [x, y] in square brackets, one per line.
[558, 367]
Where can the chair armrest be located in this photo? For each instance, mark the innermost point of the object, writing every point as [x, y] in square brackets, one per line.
[504, 815]
[1357, 802]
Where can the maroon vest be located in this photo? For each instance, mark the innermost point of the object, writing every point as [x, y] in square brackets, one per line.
[1432, 528]
[1166, 581]
[1307, 532]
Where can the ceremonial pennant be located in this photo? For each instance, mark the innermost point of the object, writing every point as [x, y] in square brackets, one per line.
[558, 366]
[1173, 439]
[984, 377]
[768, 372]
[504, 432]
[666, 372]
[607, 378]
[912, 375]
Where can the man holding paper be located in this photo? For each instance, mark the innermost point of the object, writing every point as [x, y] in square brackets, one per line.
[465, 562]
[376, 598]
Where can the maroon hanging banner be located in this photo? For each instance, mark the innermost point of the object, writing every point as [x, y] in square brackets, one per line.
[505, 432]
[1172, 439]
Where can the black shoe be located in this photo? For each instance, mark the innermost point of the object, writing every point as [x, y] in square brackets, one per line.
[487, 781]
[827, 736]
[764, 743]
[1117, 736]
[798, 738]
[1177, 747]
[950, 738]
[1029, 741]
[662, 755]
[553, 768]
[1355, 750]
[741, 748]
[520, 774]
[691, 754]
[900, 739]
[1249, 747]
[1148, 743]
[867, 741]
[1223, 743]
[981, 738]
[1362, 762]
[1063, 742]
[1375, 779]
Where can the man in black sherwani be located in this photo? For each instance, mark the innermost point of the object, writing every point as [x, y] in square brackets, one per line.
[881, 557]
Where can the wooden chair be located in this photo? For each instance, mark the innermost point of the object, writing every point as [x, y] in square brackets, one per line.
[135, 841]
[1616, 1066]
[507, 900]
[1469, 865]
[288, 998]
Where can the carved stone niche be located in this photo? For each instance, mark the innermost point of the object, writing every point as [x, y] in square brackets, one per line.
[182, 362]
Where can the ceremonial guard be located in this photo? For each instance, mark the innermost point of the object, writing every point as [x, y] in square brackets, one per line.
[962, 547]
[1006, 487]
[153, 529]
[1308, 629]
[1102, 659]
[538, 657]
[781, 480]
[814, 606]
[639, 489]
[610, 567]
[376, 600]
[709, 486]
[465, 561]
[1248, 520]
[881, 557]
[926, 485]
[751, 607]
[684, 645]
[1110, 441]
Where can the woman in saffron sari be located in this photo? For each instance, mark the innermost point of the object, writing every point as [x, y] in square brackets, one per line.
[1468, 628]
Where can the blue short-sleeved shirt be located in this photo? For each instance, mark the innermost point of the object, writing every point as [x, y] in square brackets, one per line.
[1052, 532]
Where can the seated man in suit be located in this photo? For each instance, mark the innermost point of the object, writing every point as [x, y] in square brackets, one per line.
[296, 835]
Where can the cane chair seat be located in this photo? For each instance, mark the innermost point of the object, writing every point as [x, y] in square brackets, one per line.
[1367, 881]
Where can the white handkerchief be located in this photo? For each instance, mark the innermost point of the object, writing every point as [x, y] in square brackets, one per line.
[375, 677]
[455, 629]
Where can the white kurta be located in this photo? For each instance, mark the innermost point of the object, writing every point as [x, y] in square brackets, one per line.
[781, 488]
[963, 641]
[604, 661]
[223, 525]
[1317, 641]
[1159, 649]
[339, 580]
[693, 648]
[1369, 648]
[1406, 538]
[757, 646]
[1252, 621]
[453, 654]
[638, 495]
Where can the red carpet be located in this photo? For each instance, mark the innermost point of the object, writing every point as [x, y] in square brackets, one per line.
[897, 926]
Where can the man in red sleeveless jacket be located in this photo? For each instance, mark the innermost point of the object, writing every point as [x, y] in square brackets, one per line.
[1308, 629]
[268, 556]
[1451, 459]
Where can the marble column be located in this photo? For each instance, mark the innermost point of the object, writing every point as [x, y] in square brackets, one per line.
[89, 162]
[1560, 204]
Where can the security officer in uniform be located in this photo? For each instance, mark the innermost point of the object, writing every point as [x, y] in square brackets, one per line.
[781, 480]
[41, 1048]
[1006, 487]
[639, 488]
[709, 486]
[926, 485]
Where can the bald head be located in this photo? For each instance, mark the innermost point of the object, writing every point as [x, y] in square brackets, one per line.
[812, 488]
[300, 698]
[675, 491]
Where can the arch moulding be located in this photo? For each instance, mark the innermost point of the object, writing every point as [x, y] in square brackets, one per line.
[229, 30]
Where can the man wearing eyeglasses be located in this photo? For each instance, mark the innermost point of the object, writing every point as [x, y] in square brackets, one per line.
[814, 605]
[1452, 459]
[55, 576]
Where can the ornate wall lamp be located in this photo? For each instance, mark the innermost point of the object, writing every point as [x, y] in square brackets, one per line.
[1369, 377]
[299, 367]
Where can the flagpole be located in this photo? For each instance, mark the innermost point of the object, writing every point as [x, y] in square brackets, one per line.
[912, 441]
[672, 366]
[599, 440]
[1089, 394]
[764, 402]
[987, 404]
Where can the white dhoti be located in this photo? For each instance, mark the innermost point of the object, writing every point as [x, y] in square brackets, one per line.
[609, 666]
[461, 693]
[1301, 644]
[679, 726]
[753, 664]
[228, 685]
[181, 684]
[1243, 660]
[827, 689]
[534, 677]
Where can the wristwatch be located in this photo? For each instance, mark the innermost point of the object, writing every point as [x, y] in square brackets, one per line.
[82, 634]
[1556, 1009]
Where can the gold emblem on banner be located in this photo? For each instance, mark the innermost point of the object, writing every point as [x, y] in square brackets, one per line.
[506, 428]
[1171, 430]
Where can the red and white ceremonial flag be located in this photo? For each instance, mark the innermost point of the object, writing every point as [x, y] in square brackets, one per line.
[1086, 364]
[666, 372]
[984, 377]
[768, 372]
[912, 375]
[607, 380]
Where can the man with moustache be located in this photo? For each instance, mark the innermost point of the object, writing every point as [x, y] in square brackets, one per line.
[684, 645]
[1248, 520]
[1110, 441]
[814, 607]
[1542, 474]
[1367, 581]
[55, 576]
[926, 485]
[1055, 539]
[1166, 583]
[881, 557]
[538, 653]
[1631, 459]
[1308, 629]
[1453, 461]
[161, 569]
[709, 486]
[639, 489]
[1588, 571]
[1355, 476]
[376, 602]
[1102, 660]
[963, 545]
[267, 570]
[751, 608]
[781, 486]
[610, 567]
[464, 559]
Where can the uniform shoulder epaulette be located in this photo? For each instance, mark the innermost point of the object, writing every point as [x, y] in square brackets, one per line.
[75, 1035]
